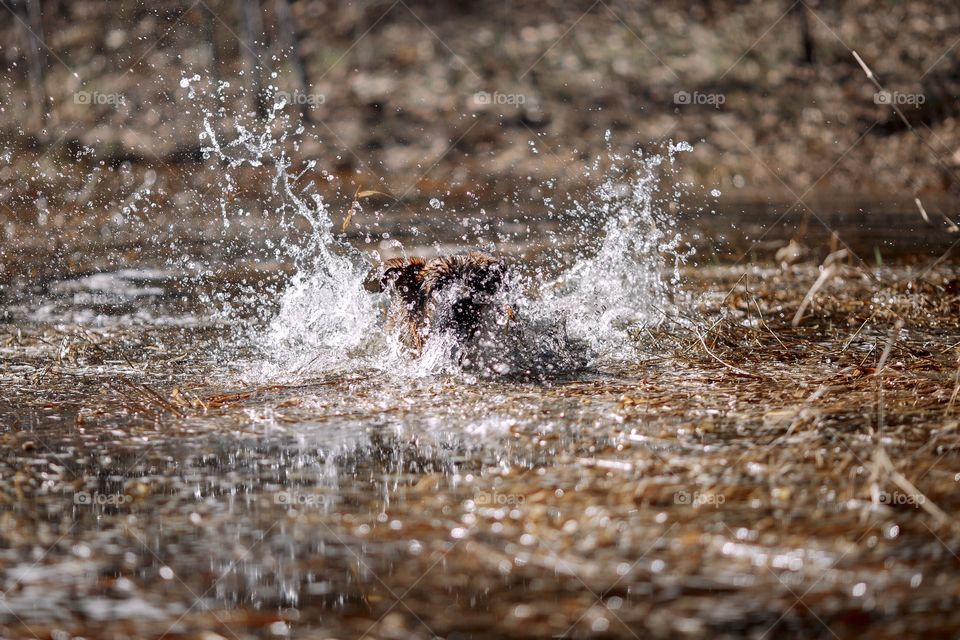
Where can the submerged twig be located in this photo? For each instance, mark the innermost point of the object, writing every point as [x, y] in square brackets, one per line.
[924, 501]
[150, 393]
[726, 364]
[894, 333]
[827, 271]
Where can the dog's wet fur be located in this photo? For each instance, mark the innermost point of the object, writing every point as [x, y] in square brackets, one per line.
[447, 294]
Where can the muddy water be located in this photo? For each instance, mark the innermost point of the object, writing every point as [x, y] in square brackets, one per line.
[155, 484]
[151, 489]
[207, 431]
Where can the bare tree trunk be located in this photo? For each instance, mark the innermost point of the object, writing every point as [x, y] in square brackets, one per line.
[252, 32]
[806, 37]
[287, 27]
[210, 33]
[32, 27]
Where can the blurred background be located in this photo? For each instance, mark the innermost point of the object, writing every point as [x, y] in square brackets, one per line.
[503, 106]
[449, 95]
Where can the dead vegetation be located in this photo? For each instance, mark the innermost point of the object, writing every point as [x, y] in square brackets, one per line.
[750, 475]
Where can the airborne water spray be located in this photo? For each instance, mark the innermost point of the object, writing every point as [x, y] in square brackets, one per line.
[324, 320]
[628, 281]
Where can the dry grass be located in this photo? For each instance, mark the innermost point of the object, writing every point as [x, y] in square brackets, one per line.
[752, 475]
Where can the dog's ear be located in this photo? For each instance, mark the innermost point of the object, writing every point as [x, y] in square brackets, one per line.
[404, 275]
[391, 272]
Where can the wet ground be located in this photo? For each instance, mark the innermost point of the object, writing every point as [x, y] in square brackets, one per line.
[737, 476]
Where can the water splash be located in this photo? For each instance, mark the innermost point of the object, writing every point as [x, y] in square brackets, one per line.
[591, 314]
[326, 320]
[627, 283]
[324, 317]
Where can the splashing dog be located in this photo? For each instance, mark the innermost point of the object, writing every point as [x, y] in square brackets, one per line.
[454, 295]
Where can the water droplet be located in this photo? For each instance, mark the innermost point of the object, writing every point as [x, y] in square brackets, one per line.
[600, 625]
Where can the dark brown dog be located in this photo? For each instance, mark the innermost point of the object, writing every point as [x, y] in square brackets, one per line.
[448, 293]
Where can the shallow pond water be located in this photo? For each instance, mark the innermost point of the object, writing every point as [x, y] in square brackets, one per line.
[154, 484]
[691, 425]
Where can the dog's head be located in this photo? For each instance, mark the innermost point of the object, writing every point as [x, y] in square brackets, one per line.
[479, 274]
[413, 278]
[448, 293]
